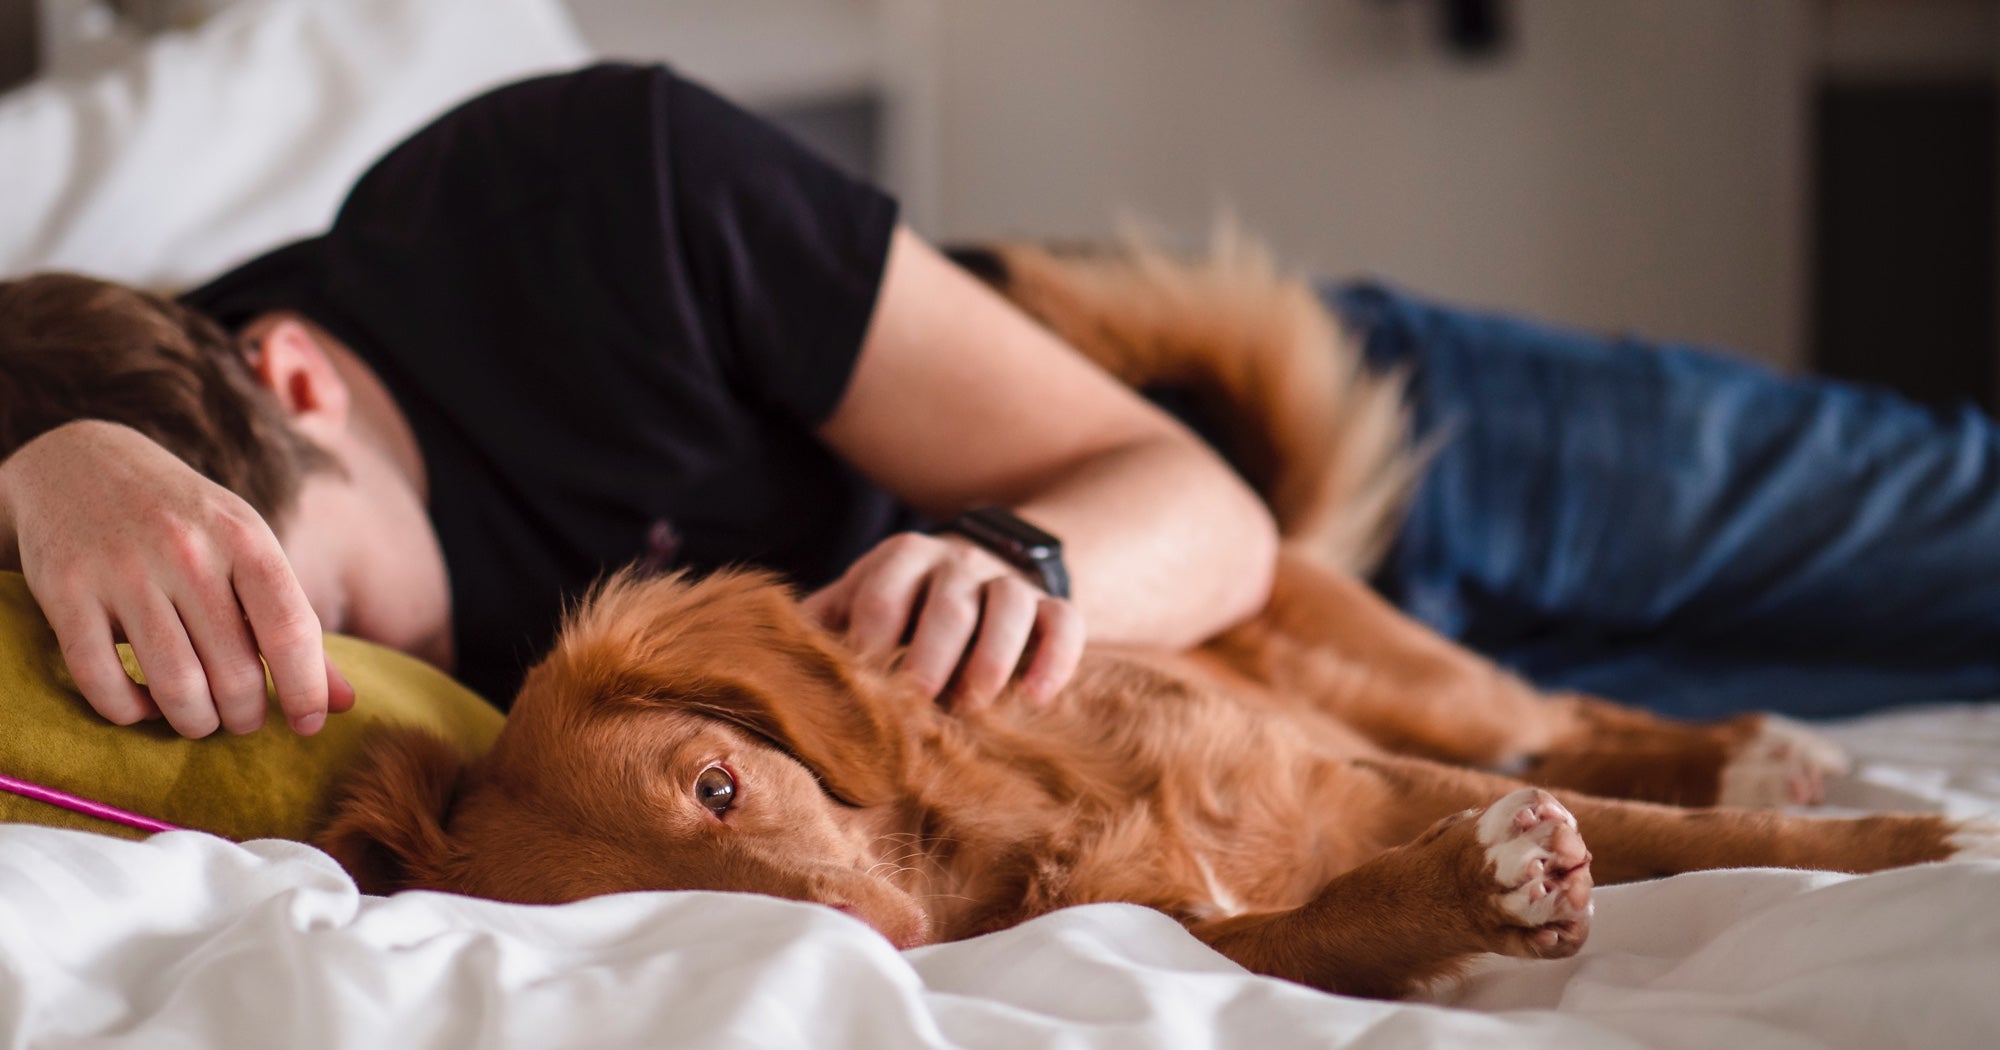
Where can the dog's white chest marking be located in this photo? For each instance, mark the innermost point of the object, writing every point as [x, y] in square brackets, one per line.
[1222, 903]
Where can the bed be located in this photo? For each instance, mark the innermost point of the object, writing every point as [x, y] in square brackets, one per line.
[188, 939]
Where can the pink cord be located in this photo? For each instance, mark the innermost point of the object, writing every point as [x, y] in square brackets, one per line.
[82, 805]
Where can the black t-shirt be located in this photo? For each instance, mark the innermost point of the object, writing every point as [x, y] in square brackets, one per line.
[613, 307]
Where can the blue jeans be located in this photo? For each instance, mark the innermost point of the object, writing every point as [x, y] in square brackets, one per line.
[1684, 531]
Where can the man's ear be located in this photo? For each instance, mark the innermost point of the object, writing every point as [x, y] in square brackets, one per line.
[387, 827]
[735, 647]
[290, 362]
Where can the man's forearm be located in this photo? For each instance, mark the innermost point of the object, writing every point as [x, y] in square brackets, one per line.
[1165, 545]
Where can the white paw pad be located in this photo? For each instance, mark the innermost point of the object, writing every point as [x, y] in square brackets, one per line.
[1541, 865]
[1785, 764]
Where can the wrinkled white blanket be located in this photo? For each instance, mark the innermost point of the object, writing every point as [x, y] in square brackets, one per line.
[188, 940]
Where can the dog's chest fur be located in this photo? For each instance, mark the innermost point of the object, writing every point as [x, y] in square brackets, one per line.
[1140, 784]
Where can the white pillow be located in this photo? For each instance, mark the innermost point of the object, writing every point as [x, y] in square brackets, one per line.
[214, 145]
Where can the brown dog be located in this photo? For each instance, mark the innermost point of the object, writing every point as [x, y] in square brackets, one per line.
[1295, 791]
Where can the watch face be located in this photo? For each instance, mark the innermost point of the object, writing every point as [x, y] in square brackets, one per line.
[1022, 545]
[1007, 526]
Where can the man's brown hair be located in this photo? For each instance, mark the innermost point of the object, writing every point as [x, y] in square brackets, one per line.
[75, 348]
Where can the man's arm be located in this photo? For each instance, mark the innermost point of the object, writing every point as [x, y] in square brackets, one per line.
[959, 399]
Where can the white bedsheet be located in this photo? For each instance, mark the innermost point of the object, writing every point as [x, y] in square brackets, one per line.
[189, 940]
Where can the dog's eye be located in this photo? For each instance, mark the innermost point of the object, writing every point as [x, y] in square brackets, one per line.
[716, 789]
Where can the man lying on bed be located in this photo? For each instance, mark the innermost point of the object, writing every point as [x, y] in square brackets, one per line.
[606, 316]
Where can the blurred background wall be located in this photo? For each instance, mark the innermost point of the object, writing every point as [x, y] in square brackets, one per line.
[1619, 164]
[1616, 163]
[1718, 171]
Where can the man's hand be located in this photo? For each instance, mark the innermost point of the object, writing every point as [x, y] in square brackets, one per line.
[961, 609]
[119, 539]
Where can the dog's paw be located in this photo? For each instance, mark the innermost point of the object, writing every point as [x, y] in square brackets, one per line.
[1538, 859]
[1975, 840]
[1784, 764]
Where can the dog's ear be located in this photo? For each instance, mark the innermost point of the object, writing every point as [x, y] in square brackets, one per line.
[736, 647]
[387, 827]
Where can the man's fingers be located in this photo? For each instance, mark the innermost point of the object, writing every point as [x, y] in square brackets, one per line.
[92, 655]
[288, 634]
[1007, 616]
[214, 623]
[174, 677]
[957, 615]
[1058, 647]
[826, 606]
[339, 694]
[888, 580]
[945, 624]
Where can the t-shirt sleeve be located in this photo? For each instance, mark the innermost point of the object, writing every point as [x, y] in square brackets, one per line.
[784, 253]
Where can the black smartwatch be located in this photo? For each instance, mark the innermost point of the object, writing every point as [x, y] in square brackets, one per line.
[1027, 548]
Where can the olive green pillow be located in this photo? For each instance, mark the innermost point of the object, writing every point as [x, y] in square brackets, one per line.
[268, 784]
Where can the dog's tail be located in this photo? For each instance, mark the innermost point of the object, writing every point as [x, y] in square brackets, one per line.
[1252, 360]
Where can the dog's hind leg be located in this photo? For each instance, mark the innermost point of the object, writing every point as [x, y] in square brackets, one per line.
[1329, 640]
[1639, 840]
[1325, 638]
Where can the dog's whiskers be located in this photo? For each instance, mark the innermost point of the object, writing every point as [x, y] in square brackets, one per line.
[912, 845]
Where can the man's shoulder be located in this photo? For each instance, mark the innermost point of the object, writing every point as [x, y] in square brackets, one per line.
[578, 92]
[578, 139]
[592, 108]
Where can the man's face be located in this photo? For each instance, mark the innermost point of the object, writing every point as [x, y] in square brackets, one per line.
[367, 557]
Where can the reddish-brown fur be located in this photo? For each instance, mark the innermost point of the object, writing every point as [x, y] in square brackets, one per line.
[1284, 791]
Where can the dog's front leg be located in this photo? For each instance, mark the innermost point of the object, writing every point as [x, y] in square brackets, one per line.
[1513, 878]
